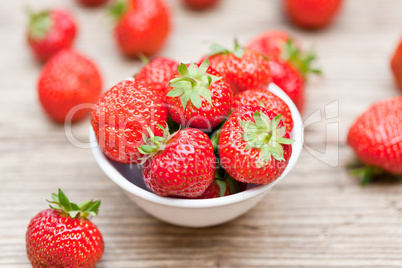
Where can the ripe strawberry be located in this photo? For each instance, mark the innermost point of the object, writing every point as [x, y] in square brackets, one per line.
[92, 3]
[180, 165]
[267, 99]
[242, 69]
[312, 14]
[122, 115]
[67, 80]
[254, 146]
[156, 74]
[198, 97]
[62, 236]
[49, 32]
[200, 4]
[376, 139]
[289, 80]
[396, 65]
[142, 27]
[270, 44]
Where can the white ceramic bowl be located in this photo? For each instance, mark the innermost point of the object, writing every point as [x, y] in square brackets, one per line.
[196, 212]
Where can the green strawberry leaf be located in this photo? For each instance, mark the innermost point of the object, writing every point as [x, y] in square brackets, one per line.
[215, 49]
[64, 202]
[182, 69]
[202, 69]
[222, 187]
[175, 92]
[195, 99]
[206, 94]
[283, 140]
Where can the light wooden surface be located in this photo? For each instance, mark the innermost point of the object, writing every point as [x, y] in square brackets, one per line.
[318, 216]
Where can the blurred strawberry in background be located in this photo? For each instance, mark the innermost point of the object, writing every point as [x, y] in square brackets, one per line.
[396, 65]
[289, 65]
[50, 31]
[200, 4]
[91, 3]
[67, 80]
[270, 43]
[156, 74]
[142, 26]
[312, 14]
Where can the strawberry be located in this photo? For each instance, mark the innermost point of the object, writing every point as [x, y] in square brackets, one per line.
[289, 80]
[198, 97]
[396, 65]
[92, 3]
[222, 185]
[266, 99]
[200, 4]
[242, 69]
[178, 165]
[376, 138]
[156, 74]
[67, 80]
[122, 115]
[270, 43]
[289, 65]
[312, 14]
[254, 146]
[142, 27]
[62, 236]
[50, 31]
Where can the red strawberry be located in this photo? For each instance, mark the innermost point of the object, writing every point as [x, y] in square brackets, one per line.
[242, 69]
[180, 165]
[267, 99]
[312, 14]
[254, 146]
[143, 26]
[92, 3]
[67, 80]
[63, 236]
[198, 97]
[223, 185]
[289, 80]
[200, 4]
[396, 65]
[50, 31]
[156, 74]
[122, 115]
[377, 140]
[270, 44]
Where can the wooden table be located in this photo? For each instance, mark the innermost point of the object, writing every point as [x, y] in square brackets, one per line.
[318, 216]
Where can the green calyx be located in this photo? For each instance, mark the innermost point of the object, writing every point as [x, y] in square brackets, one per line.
[117, 10]
[238, 50]
[265, 135]
[39, 24]
[193, 84]
[83, 210]
[301, 61]
[222, 179]
[154, 144]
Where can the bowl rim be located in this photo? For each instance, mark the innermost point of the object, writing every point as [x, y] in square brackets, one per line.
[297, 133]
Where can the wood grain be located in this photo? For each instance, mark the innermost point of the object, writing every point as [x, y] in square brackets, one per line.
[318, 216]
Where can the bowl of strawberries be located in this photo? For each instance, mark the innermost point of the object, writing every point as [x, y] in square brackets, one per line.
[187, 150]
